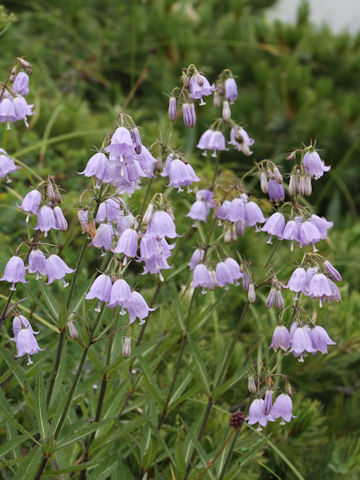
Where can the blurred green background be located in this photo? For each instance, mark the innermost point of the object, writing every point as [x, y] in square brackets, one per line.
[296, 83]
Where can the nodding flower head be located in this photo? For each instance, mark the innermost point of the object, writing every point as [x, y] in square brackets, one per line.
[240, 140]
[257, 413]
[313, 165]
[282, 408]
[276, 191]
[31, 203]
[14, 272]
[56, 269]
[231, 91]
[46, 220]
[7, 165]
[21, 84]
[162, 225]
[37, 263]
[200, 87]
[212, 140]
[121, 143]
[100, 289]
[189, 114]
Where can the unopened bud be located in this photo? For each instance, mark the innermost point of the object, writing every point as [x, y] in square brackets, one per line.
[158, 164]
[294, 185]
[186, 81]
[264, 185]
[61, 223]
[226, 112]
[227, 234]
[307, 185]
[291, 156]
[251, 293]
[245, 281]
[72, 330]
[288, 388]
[25, 64]
[217, 99]
[271, 298]
[189, 114]
[172, 108]
[83, 219]
[251, 384]
[50, 192]
[277, 175]
[126, 351]
[148, 214]
[236, 420]
[135, 136]
[12, 75]
[279, 300]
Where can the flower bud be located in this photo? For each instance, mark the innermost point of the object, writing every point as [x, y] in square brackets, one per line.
[294, 185]
[135, 136]
[189, 114]
[291, 156]
[172, 108]
[12, 75]
[158, 164]
[234, 235]
[226, 112]
[25, 64]
[227, 234]
[147, 215]
[334, 274]
[264, 185]
[251, 293]
[186, 81]
[72, 330]
[83, 219]
[279, 300]
[277, 175]
[126, 351]
[245, 281]
[217, 99]
[251, 384]
[271, 297]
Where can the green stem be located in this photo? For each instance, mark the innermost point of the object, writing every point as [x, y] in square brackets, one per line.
[56, 366]
[72, 284]
[228, 458]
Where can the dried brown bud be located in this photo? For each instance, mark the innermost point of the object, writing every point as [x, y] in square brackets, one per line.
[251, 384]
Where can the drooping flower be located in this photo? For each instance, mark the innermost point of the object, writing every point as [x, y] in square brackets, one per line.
[103, 237]
[234, 268]
[21, 84]
[240, 140]
[119, 295]
[231, 91]
[7, 165]
[276, 191]
[320, 339]
[121, 144]
[161, 224]
[308, 233]
[274, 225]
[37, 263]
[321, 224]
[297, 280]
[199, 87]
[26, 344]
[319, 287]
[56, 269]
[199, 211]
[14, 272]
[100, 289]
[31, 203]
[146, 161]
[109, 210]
[127, 243]
[257, 414]
[280, 338]
[136, 138]
[212, 140]
[20, 322]
[202, 277]
[223, 275]
[292, 231]
[282, 408]
[181, 174]
[97, 166]
[253, 214]
[45, 220]
[138, 308]
[301, 342]
[314, 165]
[7, 111]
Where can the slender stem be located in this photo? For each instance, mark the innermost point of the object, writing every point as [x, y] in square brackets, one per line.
[73, 280]
[56, 365]
[211, 463]
[100, 404]
[4, 312]
[228, 458]
[178, 363]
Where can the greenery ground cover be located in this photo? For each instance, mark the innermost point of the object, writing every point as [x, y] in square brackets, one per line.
[92, 59]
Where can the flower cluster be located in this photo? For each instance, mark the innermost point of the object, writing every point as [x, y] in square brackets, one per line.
[262, 411]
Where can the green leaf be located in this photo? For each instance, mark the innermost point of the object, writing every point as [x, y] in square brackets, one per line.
[200, 371]
[11, 444]
[50, 301]
[6, 410]
[82, 432]
[198, 446]
[151, 383]
[40, 408]
[30, 464]
[227, 385]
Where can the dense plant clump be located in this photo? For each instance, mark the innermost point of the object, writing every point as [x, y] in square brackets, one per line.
[127, 233]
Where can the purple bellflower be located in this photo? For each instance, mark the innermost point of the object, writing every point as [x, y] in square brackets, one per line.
[7, 165]
[45, 220]
[253, 214]
[121, 144]
[26, 344]
[200, 87]
[223, 275]
[301, 342]
[31, 203]
[257, 414]
[103, 237]
[127, 243]
[109, 210]
[282, 408]
[274, 225]
[268, 401]
[20, 322]
[120, 295]
[61, 223]
[334, 274]
[56, 269]
[280, 338]
[37, 263]
[212, 140]
[297, 280]
[202, 278]
[189, 114]
[231, 91]
[199, 211]
[241, 141]
[14, 272]
[313, 165]
[100, 289]
[276, 191]
[172, 111]
[21, 84]
[196, 258]
[97, 166]
[138, 308]
[162, 225]
[235, 269]
[320, 339]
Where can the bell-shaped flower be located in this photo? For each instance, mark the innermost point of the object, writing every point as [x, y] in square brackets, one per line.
[31, 202]
[320, 339]
[199, 211]
[7, 165]
[138, 308]
[45, 220]
[202, 278]
[56, 269]
[313, 165]
[240, 140]
[189, 114]
[301, 342]
[282, 408]
[276, 191]
[257, 414]
[21, 84]
[196, 258]
[37, 263]
[119, 295]
[26, 344]
[297, 280]
[97, 166]
[20, 322]
[162, 225]
[253, 214]
[280, 338]
[235, 269]
[127, 243]
[100, 289]
[61, 223]
[147, 162]
[274, 225]
[223, 275]
[103, 237]
[199, 87]
[231, 91]
[14, 272]
[121, 143]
